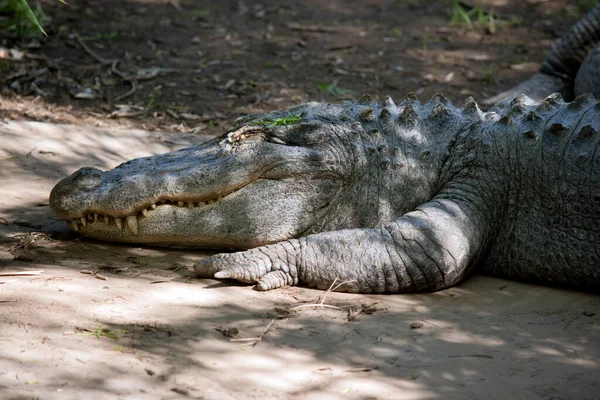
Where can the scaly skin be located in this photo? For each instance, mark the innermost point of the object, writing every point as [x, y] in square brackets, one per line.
[384, 197]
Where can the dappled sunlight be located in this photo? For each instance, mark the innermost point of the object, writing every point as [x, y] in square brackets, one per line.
[174, 330]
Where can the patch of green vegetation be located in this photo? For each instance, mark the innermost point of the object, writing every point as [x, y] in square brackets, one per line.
[4, 65]
[22, 19]
[272, 122]
[397, 31]
[101, 36]
[63, 30]
[491, 75]
[477, 17]
[153, 97]
[199, 13]
[515, 21]
[100, 331]
[587, 5]
[267, 64]
[519, 47]
[425, 40]
[335, 90]
[458, 15]
[414, 376]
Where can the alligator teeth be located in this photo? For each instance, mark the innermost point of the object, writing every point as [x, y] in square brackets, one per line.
[132, 220]
[132, 223]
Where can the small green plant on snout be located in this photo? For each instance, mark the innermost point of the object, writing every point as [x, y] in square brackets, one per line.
[270, 123]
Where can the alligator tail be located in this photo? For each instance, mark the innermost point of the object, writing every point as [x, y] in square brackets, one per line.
[568, 54]
[559, 70]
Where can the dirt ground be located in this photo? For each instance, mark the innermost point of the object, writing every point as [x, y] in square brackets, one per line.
[105, 321]
[188, 65]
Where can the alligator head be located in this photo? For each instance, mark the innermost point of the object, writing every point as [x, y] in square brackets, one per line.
[315, 167]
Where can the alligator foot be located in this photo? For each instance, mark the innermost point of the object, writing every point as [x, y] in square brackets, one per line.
[253, 266]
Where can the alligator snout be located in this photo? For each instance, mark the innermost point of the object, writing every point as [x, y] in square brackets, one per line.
[63, 197]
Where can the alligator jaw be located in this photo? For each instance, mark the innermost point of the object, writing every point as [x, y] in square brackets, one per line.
[237, 191]
[131, 221]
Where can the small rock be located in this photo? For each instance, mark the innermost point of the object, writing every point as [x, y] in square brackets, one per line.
[416, 325]
[589, 313]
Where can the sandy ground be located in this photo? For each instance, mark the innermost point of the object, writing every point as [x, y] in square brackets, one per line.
[106, 321]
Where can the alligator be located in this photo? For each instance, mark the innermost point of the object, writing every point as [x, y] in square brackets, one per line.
[379, 197]
[369, 197]
[571, 67]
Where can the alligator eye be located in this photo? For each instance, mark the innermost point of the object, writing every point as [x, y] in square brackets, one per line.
[303, 134]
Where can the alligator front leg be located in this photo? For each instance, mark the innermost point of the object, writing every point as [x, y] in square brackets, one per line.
[429, 249]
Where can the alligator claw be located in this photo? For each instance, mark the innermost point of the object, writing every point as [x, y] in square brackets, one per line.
[247, 267]
[274, 280]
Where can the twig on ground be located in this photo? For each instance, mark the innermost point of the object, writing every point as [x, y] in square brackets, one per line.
[255, 340]
[116, 71]
[52, 278]
[22, 273]
[470, 356]
[313, 28]
[134, 88]
[113, 62]
[92, 53]
[321, 303]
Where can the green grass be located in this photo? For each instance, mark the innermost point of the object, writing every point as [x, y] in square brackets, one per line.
[4, 66]
[23, 19]
[100, 331]
[477, 17]
[491, 75]
[199, 13]
[101, 36]
[587, 5]
[153, 98]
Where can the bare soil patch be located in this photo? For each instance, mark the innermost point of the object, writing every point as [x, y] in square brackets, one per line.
[183, 65]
